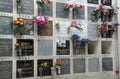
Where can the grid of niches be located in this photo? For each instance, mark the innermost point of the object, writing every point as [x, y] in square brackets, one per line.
[89, 58]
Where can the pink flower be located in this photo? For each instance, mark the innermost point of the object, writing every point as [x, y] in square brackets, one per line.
[41, 20]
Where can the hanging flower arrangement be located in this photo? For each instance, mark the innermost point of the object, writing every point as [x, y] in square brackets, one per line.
[67, 7]
[41, 20]
[76, 25]
[19, 28]
[41, 3]
[76, 8]
[75, 37]
[105, 14]
[107, 30]
[85, 41]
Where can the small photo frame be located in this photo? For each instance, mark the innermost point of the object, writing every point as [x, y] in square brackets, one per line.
[106, 2]
[93, 1]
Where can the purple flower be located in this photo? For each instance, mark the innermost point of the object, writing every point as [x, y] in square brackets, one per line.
[75, 36]
[85, 40]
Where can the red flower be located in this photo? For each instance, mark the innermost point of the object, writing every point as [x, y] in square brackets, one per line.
[59, 62]
[103, 28]
[70, 6]
[80, 6]
[100, 6]
[48, 1]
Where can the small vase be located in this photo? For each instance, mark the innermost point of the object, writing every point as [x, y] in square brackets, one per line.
[40, 71]
[58, 69]
[19, 72]
[20, 52]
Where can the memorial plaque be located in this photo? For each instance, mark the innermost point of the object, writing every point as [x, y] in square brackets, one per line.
[6, 26]
[106, 47]
[107, 64]
[93, 1]
[63, 29]
[78, 48]
[106, 2]
[27, 48]
[45, 47]
[47, 10]
[65, 68]
[6, 47]
[6, 70]
[46, 30]
[93, 47]
[27, 7]
[79, 65]
[80, 14]
[93, 65]
[6, 6]
[63, 47]
[92, 30]
[29, 23]
[25, 68]
[60, 12]
[44, 67]
[89, 11]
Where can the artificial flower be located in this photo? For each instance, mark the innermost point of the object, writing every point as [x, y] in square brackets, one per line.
[41, 20]
[75, 37]
[59, 62]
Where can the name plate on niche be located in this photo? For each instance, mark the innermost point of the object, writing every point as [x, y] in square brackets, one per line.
[65, 68]
[29, 23]
[25, 68]
[79, 65]
[6, 26]
[92, 30]
[60, 12]
[6, 47]
[47, 10]
[44, 67]
[89, 11]
[46, 30]
[93, 1]
[45, 47]
[93, 65]
[27, 49]
[5, 69]
[78, 48]
[80, 14]
[6, 6]
[26, 7]
[107, 64]
[63, 47]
